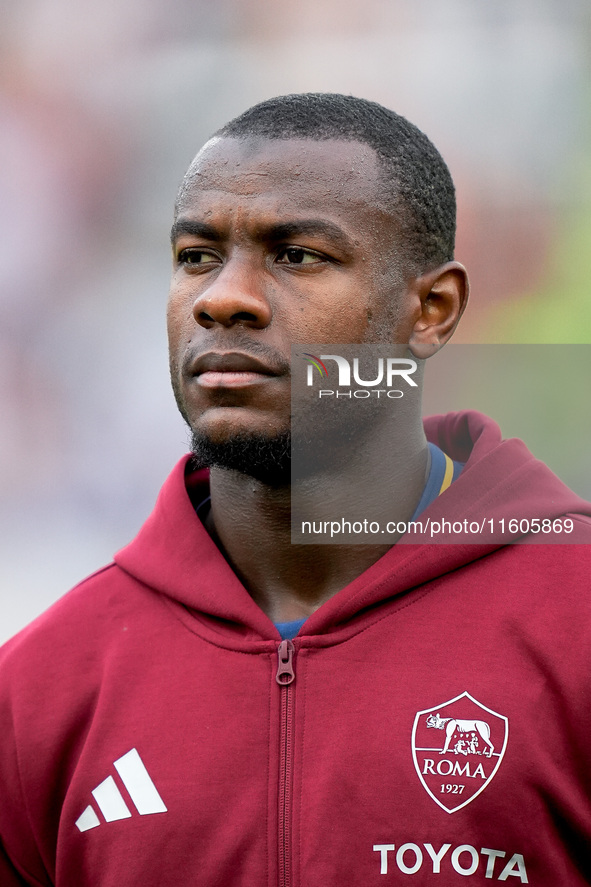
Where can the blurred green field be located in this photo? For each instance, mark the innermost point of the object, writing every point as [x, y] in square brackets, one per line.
[539, 393]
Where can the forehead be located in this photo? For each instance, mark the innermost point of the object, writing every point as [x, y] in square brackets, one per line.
[286, 174]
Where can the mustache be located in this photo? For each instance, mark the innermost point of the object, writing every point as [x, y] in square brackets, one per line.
[272, 358]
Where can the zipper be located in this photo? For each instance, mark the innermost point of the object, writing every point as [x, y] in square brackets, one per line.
[285, 677]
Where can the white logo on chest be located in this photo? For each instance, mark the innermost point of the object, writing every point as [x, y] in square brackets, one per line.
[473, 746]
[139, 786]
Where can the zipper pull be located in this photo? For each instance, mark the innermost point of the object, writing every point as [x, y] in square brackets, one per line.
[285, 673]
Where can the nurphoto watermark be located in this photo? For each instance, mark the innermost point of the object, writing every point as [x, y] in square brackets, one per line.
[365, 472]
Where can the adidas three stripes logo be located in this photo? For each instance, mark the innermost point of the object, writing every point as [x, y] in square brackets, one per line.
[110, 801]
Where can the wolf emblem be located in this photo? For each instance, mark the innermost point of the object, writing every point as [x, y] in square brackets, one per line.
[453, 725]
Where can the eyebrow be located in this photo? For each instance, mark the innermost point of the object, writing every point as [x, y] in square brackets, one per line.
[274, 233]
[322, 227]
[194, 229]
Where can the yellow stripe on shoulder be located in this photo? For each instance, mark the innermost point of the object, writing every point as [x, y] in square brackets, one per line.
[447, 477]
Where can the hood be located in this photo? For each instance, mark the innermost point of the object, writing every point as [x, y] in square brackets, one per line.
[501, 478]
[174, 555]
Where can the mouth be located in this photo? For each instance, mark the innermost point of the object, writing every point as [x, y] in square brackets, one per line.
[232, 370]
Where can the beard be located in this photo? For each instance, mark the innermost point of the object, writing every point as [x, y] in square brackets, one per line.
[267, 459]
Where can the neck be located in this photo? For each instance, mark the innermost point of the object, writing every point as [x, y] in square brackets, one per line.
[251, 522]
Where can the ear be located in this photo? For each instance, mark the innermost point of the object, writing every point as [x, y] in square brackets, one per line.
[442, 294]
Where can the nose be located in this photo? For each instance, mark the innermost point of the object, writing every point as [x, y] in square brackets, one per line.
[235, 296]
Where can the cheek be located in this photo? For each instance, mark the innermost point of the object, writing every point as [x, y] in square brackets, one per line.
[178, 318]
[347, 322]
[326, 314]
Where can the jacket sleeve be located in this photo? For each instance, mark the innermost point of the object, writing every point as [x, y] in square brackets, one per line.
[21, 861]
[9, 877]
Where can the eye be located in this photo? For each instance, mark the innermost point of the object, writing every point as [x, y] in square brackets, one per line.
[297, 255]
[195, 256]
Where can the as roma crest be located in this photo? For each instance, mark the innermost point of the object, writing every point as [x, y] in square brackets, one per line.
[457, 747]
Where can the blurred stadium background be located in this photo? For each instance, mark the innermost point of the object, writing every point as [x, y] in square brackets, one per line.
[102, 108]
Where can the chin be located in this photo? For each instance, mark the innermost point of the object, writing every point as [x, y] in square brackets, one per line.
[263, 457]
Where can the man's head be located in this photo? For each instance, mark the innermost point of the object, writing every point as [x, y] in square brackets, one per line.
[415, 182]
[308, 219]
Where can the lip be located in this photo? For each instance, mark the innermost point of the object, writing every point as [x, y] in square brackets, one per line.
[231, 369]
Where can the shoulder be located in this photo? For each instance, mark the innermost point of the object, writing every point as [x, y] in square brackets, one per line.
[74, 634]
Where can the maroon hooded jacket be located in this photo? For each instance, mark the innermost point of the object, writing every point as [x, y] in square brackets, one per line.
[431, 724]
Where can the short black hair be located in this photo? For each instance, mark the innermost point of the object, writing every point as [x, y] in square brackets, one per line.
[414, 172]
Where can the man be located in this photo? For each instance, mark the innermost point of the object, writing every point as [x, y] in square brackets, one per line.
[221, 707]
